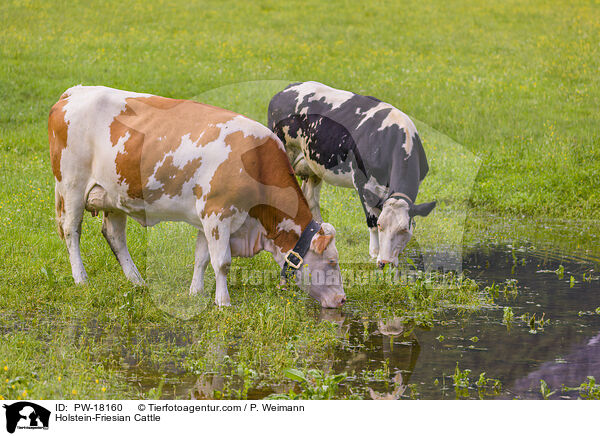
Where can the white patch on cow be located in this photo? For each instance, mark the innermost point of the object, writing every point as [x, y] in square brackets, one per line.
[249, 127]
[394, 118]
[182, 155]
[288, 138]
[89, 112]
[379, 190]
[288, 225]
[399, 118]
[370, 113]
[372, 210]
[331, 96]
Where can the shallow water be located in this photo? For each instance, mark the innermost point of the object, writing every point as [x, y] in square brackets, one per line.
[563, 353]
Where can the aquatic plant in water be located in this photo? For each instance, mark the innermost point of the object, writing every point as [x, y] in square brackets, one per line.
[314, 384]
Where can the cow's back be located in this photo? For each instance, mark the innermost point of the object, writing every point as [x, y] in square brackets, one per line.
[167, 158]
[332, 123]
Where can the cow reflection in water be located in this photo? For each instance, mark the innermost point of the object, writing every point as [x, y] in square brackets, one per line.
[207, 384]
[394, 341]
[571, 371]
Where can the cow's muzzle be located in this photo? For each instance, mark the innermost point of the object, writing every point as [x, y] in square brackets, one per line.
[335, 302]
[382, 263]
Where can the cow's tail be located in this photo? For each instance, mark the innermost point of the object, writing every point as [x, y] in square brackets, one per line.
[59, 207]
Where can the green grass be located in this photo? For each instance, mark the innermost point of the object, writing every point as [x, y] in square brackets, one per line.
[516, 84]
[505, 96]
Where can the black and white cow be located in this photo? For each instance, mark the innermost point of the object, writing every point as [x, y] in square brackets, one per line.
[360, 142]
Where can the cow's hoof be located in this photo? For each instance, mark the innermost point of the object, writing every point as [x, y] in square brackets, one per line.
[138, 282]
[222, 302]
[81, 280]
[196, 291]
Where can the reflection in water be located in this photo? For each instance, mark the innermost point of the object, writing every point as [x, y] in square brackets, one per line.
[570, 371]
[517, 356]
[569, 343]
[405, 357]
[400, 387]
[382, 359]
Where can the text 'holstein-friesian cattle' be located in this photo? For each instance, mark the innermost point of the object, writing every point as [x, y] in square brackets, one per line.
[159, 159]
[359, 142]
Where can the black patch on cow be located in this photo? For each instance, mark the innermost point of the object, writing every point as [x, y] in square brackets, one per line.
[330, 143]
[343, 139]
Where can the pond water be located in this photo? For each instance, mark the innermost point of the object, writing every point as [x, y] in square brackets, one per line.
[563, 353]
[387, 359]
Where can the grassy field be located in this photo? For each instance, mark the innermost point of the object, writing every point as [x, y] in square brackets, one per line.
[506, 96]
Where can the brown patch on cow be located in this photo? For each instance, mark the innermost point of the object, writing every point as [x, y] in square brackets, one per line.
[118, 129]
[60, 206]
[60, 230]
[59, 203]
[266, 187]
[215, 233]
[57, 135]
[211, 134]
[153, 128]
[163, 103]
[197, 190]
[270, 217]
[128, 162]
[172, 178]
[320, 243]
[254, 165]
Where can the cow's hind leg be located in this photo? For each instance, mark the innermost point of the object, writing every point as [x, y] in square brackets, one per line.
[202, 257]
[70, 207]
[311, 188]
[114, 226]
[217, 235]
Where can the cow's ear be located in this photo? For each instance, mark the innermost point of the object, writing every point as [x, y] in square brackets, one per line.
[320, 243]
[422, 209]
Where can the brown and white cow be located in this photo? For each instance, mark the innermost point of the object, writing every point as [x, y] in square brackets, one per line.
[160, 159]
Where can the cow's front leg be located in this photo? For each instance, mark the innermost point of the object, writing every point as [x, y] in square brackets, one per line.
[217, 236]
[201, 259]
[311, 188]
[373, 242]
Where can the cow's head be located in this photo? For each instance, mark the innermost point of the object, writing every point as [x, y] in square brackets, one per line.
[395, 225]
[320, 274]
